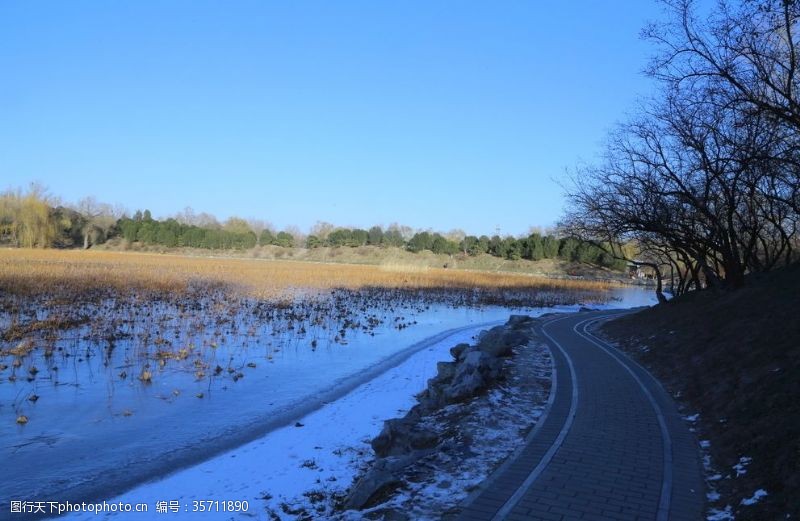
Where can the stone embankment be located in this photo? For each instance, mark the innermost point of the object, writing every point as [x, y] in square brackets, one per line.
[404, 441]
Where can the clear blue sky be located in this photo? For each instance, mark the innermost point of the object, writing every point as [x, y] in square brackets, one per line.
[433, 114]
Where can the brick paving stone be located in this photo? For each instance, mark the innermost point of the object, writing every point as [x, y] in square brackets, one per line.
[610, 462]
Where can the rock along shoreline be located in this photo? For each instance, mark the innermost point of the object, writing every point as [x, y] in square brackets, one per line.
[461, 403]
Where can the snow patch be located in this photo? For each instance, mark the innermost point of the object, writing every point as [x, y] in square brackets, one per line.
[741, 467]
[477, 436]
[755, 498]
[716, 514]
[712, 478]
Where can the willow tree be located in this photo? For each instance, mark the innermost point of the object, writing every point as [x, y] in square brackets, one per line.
[26, 218]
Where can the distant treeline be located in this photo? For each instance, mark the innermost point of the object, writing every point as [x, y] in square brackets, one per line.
[534, 247]
[171, 233]
[32, 220]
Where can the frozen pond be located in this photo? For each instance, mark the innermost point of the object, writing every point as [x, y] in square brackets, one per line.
[105, 415]
[282, 467]
[633, 296]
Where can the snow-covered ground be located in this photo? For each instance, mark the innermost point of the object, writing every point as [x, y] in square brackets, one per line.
[320, 453]
[474, 438]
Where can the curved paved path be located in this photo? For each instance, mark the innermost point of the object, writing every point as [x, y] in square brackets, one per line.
[610, 445]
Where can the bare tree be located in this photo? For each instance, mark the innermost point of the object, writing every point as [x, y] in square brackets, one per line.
[692, 185]
[100, 217]
[297, 234]
[455, 235]
[206, 220]
[705, 182]
[187, 216]
[321, 230]
[236, 225]
[750, 47]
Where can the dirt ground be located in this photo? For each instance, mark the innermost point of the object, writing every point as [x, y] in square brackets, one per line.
[734, 358]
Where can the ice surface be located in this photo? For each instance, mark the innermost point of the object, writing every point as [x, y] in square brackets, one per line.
[323, 455]
[91, 430]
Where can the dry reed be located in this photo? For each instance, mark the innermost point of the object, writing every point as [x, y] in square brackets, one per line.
[69, 273]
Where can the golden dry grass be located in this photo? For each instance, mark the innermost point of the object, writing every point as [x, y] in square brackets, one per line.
[73, 272]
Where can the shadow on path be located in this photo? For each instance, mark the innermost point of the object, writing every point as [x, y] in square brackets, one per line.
[610, 446]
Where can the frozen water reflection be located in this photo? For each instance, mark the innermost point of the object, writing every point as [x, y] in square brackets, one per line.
[114, 403]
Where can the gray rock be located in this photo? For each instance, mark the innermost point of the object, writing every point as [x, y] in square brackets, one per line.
[469, 377]
[516, 321]
[378, 479]
[445, 371]
[499, 341]
[402, 436]
[384, 474]
[403, 441]
[457, 350]
[425, 401]
[382, 443]
[390, 514]
[431, 398]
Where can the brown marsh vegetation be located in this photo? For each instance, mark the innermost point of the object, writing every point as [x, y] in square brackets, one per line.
[73, 273]
[83, 318]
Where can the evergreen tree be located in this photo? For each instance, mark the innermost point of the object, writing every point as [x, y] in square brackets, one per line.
[550, 247]
[266, 238]
[375, 237]
[420, 241]
[393, 237]
[469, 245]
[285, 240]
[496, 246]
[312, 241]
[512, 248]
[340, 237]
[359, 237]
[483, 244]
[442, 245]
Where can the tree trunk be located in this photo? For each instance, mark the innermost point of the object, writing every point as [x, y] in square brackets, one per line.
[659, 287]
[672, 279]
[712, 280]
[734, 275]
[659, 282]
